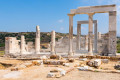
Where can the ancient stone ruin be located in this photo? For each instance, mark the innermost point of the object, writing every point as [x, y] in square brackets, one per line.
[111, 9]
[92, 44]
[14, 46]
[79, 54]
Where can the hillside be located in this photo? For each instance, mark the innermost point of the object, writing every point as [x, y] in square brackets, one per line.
[45, 37]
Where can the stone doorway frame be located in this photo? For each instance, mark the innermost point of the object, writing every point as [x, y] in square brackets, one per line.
[79, 23]
[91, 10]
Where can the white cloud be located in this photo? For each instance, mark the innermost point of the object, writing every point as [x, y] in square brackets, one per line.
[60, 21]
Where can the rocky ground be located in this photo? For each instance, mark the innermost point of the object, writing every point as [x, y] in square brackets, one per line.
[39, 72]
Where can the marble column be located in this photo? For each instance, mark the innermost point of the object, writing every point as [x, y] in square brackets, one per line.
[78, 36]
[95, 37]
[70, 52]
[90, 36]
[112, 33]
[22, 49]
[86, 42]
[37, 40]
[53, 42]
[99, 35]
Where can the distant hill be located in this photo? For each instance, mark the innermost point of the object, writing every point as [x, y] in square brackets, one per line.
[45, 37]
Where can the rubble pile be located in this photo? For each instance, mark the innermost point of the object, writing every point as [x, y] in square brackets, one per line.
[113, 58]
[58, 57]
[61, 66]
[117, 67]
[94, 62]
[56, 73]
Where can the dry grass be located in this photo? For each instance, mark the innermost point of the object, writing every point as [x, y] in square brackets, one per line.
[2, 53]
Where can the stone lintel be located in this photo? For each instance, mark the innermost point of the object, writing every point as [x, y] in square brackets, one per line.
[94, 9]
[86, 22]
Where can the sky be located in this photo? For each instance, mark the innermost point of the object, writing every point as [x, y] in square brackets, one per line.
[24, 15]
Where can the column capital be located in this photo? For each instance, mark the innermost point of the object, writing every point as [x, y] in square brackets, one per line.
[112, 13]
[78, 24]
[71, 14]
[91, 14]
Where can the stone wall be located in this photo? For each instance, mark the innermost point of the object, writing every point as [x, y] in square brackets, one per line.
[62, 45]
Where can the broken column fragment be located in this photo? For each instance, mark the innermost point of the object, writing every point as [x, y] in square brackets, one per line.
[37, 40]
[22, 49]
[53, 42]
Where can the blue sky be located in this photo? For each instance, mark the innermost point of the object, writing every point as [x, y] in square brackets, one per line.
[24, 15]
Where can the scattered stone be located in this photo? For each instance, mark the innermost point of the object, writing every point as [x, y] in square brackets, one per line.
[97, 62]
[50, 75]
[37, 62]
[76, 65]
[81, 63]
[43, 58]
[54, 62]
[83, 68]
[91, 63]
[94, 63]
[62, 71]
[28, 64]
[117, 67]
[84, 59]
[51, 65]
[14, 69]
[105, 60]
[66, 64]
[56, 73]
[71, 60]
[58, 57]
[46, 61]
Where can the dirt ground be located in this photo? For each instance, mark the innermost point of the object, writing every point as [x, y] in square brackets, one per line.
[40, 73]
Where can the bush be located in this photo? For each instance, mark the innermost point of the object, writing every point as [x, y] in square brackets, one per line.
[2, 44]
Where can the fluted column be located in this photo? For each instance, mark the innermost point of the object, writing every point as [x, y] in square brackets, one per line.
[99, 35]
[70, 52]
[78, 40]
[53, 42]
[90, 36]
[37, 40]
